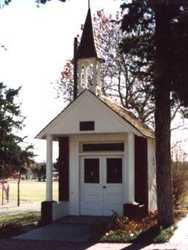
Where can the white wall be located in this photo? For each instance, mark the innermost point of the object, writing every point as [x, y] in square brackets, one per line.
[88, 108]
[60, 209]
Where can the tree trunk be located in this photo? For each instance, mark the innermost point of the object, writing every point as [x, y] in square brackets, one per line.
[163, 158]
[2, 194]
[162, 118]
[18, 189]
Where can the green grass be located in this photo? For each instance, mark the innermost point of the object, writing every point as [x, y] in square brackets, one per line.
[22, 218]
[31, 191]
[164, 235]
[14, 225]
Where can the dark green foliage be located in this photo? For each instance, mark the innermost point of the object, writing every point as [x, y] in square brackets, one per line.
[16, 224]
[7, 1]
[40, 171]
[10, 229]
[156, 35]
[139, 24]
[180, 184]
[164, 235]
[146, 230]
[9, 121]
[44, 1]
[23, 218]
[12, 156]
[37, 1]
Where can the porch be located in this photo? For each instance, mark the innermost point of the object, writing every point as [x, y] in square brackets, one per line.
[71, 176]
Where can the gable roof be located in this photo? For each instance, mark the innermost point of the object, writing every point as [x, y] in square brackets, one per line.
[126, 115]
[88, 47]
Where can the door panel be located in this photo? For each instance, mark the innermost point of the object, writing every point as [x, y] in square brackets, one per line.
[101, 185]
[91, 191]
[113, 194]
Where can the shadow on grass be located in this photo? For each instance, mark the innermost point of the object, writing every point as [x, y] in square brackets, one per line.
[146, 238]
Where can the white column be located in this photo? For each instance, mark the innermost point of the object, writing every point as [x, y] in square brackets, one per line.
[49, 167]
[131, 168]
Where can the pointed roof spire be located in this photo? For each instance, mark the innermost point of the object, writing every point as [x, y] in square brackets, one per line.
[87, 47]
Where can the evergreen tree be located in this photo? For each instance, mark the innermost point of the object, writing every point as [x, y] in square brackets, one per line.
[6, 2]
[12, 156]
[156, 37]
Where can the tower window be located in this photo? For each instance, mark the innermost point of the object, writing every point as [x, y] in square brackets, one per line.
[83, 77]
[90, 75]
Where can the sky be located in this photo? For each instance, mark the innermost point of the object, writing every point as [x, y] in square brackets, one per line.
[38, 41]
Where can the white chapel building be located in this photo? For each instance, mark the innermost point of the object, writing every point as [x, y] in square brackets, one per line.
[106, 155]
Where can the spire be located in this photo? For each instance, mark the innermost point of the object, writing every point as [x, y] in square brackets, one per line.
[88, 59]
[87, 48]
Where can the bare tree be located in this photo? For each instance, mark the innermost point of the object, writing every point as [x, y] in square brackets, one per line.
[133, 93]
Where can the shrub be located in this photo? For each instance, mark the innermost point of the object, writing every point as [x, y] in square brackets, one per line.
[10, 229]
[123, 229]
[180, 183]
[164, 234]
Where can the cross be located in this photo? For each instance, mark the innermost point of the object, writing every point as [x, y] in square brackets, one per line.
[88, 4]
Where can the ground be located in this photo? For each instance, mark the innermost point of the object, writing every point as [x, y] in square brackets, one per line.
[31, 191]
[31, 195]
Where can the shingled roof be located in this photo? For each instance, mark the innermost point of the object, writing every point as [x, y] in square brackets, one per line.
[128, 116]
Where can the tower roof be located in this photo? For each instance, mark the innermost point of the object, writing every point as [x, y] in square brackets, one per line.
[87, 47]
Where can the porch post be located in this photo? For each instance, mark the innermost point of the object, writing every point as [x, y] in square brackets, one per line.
[131, 169]
[49, 166]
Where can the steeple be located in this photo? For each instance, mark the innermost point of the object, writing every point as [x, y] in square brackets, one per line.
[88, 59]
[87, 48]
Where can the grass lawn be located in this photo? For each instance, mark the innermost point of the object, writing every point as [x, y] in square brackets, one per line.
[14, 225]
[23, 218]
[31, 191]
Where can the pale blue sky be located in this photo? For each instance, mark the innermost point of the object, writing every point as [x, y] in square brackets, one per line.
[38, 41]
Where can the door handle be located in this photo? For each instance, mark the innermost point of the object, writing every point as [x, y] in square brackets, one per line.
[104, 187]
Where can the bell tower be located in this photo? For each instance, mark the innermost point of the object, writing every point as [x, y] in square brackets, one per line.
[88, 60]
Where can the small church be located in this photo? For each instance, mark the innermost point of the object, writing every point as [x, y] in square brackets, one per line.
[106, 155]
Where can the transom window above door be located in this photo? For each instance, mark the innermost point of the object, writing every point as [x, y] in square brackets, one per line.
[102, 147]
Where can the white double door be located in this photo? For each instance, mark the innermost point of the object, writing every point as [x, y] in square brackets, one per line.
[101, 185]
